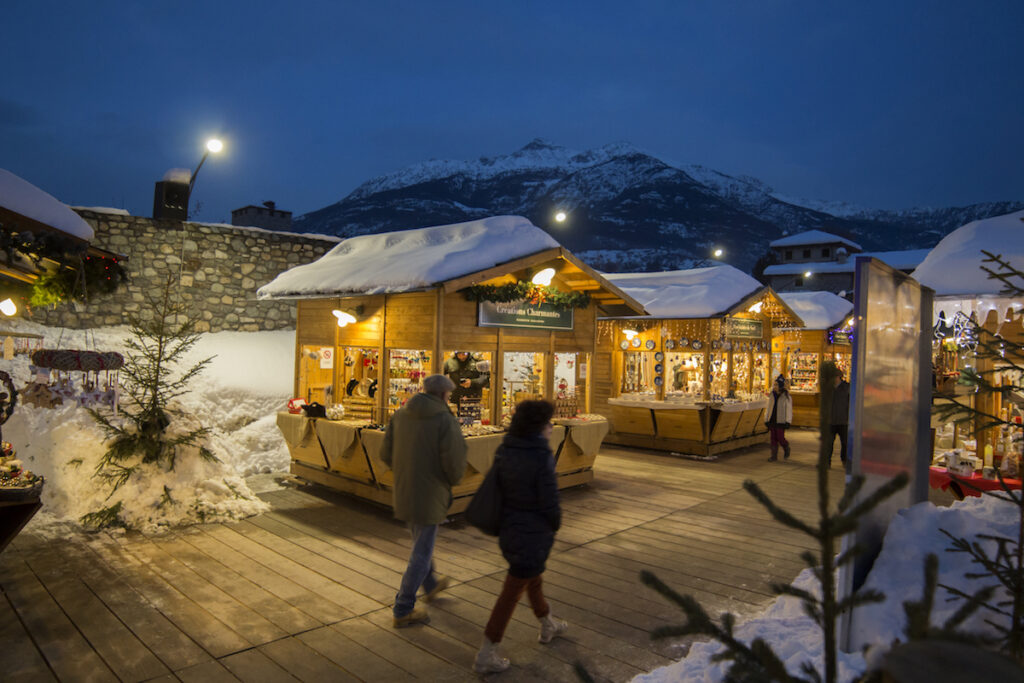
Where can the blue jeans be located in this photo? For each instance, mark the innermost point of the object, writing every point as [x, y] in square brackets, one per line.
[420, 571]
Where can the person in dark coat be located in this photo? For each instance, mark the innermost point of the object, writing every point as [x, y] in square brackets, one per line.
[840, 417]
[530, 517]
[469, 380]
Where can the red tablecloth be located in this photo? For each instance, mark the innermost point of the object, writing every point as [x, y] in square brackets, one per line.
[939, 478]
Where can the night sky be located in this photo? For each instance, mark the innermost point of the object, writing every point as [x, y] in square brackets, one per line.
[884, 104]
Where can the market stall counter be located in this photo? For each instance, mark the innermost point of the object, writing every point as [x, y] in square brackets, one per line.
[692, 376]
[511, 318]
[345, 455]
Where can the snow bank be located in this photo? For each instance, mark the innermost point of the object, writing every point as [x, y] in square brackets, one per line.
[696, 293]
[237, 397]
[411, 259]
[818, 310]
[898, 573]
[23, 197]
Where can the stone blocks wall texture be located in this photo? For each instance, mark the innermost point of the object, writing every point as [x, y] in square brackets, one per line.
[218, 269]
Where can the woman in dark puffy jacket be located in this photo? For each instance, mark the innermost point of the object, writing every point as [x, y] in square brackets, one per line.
[530, 517]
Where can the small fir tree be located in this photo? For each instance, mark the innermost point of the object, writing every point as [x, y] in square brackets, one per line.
[1003, 560]
[157, 346]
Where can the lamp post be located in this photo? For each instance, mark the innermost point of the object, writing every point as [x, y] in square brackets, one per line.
[560, 216]
[212, 145]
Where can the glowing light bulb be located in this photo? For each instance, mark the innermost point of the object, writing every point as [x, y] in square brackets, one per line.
[630, 334]
[214, 145]
[543, 277]
[561, 216]
[7, 307]
[343, 317]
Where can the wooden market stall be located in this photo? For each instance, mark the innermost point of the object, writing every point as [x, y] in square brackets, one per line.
[692, 376]
[798, 353]
[378, 313]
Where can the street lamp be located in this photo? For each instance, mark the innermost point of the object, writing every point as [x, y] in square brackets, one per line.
[718, 252]
[561, 216]
[212, 145]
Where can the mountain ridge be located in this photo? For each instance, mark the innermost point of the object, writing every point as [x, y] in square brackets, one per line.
[629, 210]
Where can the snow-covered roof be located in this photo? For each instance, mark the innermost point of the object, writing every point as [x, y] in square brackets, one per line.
[411, 260]
[900, 260]
[22, 197]
[695, 293]
[818, 310]
[811, 237]
[103, 209]
[953, 267]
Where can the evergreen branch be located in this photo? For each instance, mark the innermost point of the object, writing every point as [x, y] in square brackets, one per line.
[876, 497]
[778, 513]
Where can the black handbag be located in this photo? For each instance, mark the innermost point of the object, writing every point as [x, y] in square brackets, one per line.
[484, 511]
[314, 410]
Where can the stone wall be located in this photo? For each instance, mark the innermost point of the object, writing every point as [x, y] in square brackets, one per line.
[218, 269]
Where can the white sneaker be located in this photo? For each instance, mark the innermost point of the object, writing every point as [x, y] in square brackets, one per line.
[551, 628]
[488, 661]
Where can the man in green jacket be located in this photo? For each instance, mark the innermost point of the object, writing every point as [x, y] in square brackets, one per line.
[424, 447]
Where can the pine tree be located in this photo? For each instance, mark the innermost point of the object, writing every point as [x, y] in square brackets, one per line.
[159, 341]
[1005, 564]
[757, 661]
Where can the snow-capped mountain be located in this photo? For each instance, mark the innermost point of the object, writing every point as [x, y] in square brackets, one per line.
[628, 210]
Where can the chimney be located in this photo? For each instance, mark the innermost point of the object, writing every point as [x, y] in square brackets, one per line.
[170, 196]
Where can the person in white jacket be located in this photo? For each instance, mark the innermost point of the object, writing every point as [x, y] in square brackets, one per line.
[778, 417]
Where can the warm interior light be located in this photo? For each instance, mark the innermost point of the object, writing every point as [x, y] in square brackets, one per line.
[630, 334]
[343, 317]
[214, 145]
[849, 322]
[7, 307]
[543, 277]
[756, 308]
[561, 216]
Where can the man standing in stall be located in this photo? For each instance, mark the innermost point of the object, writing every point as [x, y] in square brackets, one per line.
[423, 446]
[469, 380]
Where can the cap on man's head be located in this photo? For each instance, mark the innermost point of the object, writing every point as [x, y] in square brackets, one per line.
[437, 384]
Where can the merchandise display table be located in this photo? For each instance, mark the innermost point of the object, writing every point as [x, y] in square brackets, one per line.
[345, 455]
[695, 428]
[939, 478]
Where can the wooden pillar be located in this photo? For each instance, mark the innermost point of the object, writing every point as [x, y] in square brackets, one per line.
[383, 372]
[549, 368]
[706, 343]
[437, 360]
[498, 379]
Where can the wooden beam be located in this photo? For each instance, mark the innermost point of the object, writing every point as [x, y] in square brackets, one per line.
[626, 299]
[501, 269]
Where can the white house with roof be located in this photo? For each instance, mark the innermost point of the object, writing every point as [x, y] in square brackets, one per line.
[819, 261]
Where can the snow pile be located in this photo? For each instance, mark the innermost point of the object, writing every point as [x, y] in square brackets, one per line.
[953, 267]
[412, 259]
[696, 293]
[818, 310]
[898, 573]
[237, 397]
[24, 198]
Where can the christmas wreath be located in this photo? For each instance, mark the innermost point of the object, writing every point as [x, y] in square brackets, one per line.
[534, 294]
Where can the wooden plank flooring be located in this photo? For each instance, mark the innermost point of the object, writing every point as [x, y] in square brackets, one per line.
[303, 592]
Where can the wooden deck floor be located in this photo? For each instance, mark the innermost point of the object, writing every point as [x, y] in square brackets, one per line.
[303, 592]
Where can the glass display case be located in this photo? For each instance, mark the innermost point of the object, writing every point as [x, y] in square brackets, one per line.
[803, 372]
[842, 361]
[523, 378]
[639, 376]
[776, 368]
[569, 380]
[406, 370]
[358, 382]
[761, 374]
[719, 387]
[684, 376]
[742, 364]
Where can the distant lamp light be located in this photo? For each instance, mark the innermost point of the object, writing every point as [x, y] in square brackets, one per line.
[718, 253]
[807, 273]
[630, 334]
[543, 277]
[756, 308]
[7, 307]
[214, 145]
[343, 317]
[849, 322]
[561, 216]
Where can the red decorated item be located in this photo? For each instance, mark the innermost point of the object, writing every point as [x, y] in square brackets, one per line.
[295, 405]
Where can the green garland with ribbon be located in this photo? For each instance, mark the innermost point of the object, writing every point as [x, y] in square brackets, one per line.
[522, 290]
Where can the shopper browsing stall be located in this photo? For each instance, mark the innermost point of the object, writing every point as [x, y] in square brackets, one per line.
[469, 380]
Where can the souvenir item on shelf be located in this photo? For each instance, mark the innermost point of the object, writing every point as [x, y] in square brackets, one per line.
[670, 344]
[684, 342]
[698, 345]
[295, 405]
[624, 344]
[636, 342]
[658, 381]
[658, 368]
[659, 356]
[650, 344]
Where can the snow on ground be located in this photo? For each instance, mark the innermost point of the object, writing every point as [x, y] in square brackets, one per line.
[237, 397]
[898, 573]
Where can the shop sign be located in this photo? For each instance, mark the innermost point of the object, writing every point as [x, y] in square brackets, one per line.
[838, 337]
[522, 313]
[745, 328]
